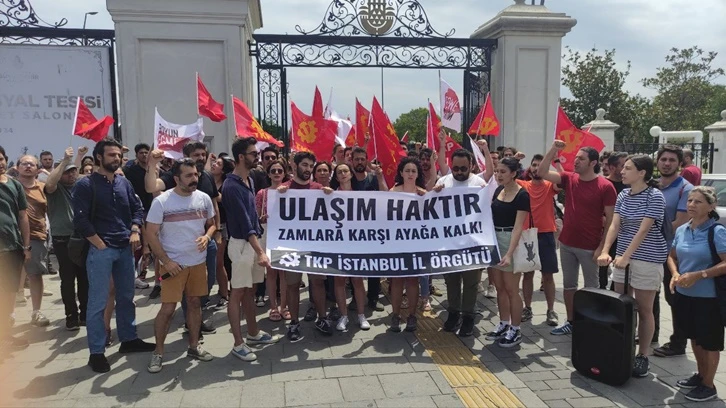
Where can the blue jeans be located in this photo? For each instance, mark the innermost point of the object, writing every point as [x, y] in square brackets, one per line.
[102, 265]
[211, 275]
[423, 283]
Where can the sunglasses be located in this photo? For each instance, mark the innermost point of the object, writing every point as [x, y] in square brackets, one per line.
[462, 169]
[276, 171]
[269, 158]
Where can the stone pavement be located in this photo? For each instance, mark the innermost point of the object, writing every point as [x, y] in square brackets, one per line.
[354, 369]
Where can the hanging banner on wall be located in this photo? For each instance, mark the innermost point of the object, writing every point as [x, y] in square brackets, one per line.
[384, 234]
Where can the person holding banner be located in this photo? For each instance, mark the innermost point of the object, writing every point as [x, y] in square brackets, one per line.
[409, 179]
[341, 182]
[510, 208]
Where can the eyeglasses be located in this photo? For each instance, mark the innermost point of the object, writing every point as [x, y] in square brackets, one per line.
[462, 169]
[269, 158]
[255, 153]
[276, 171]
[27, 164]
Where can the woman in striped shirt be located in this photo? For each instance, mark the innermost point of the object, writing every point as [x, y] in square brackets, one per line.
[641, 247]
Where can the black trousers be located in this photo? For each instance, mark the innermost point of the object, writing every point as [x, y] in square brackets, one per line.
[678, 339]
[70, 275]
[374, 289]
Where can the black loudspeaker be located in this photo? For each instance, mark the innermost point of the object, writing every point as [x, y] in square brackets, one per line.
[603, 335]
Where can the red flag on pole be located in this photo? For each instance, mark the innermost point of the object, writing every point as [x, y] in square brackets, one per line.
[246, 125]
[404, 139]
[318, 111]
[384, 143]
[206, 105]
[574, 138]
[312, 134]
[486, 122]
[362, 123]
[87, 126]
[452, 146]
[432, 129]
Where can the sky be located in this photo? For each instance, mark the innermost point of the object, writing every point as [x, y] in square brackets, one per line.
[641, 31]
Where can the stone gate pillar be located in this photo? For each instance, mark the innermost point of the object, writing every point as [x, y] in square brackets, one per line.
[525, 81]
[161, 44]
[717, 136]
[603, 128]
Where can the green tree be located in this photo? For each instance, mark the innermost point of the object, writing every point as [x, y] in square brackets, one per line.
[595, 82]
[413, 122]
[686, 96]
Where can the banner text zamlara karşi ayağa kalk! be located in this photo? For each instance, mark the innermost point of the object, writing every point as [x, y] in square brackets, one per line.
[381, 234]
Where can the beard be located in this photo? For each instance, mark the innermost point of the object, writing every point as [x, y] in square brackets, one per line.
[110, 167]
[361, 168]
[664, 174]
[461, 176]
[303, 175]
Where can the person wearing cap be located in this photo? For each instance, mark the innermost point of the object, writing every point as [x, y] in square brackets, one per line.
[58, 189]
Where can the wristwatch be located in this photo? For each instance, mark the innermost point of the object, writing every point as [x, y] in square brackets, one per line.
[27, 248]
[136, 230]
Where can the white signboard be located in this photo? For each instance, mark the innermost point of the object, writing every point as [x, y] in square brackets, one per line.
[39, 86]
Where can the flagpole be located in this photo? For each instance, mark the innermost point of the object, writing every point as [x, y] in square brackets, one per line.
[441, 108]
[383, 98]
[75, 120]
[197, 86]
[486, 101]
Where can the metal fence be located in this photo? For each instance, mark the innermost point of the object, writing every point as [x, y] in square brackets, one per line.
[702, 152]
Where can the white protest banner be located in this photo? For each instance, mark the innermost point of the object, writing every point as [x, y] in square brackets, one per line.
[171, 137]
[383, 234]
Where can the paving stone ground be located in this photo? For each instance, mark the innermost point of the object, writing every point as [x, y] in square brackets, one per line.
[372, 368]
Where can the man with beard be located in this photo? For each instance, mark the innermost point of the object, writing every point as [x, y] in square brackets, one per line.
[461, 287]
[675, 190]
[541, 201]
[60, 213]
[587, 197]
[245, 251]
[180, 226]
[364, 181]
[135, 173]
[114, 233]
[303, 169]
[46, 165]
[197, 151]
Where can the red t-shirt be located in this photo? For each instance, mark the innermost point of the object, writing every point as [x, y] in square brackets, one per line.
[692, 174]
[310, 186]
[541, 203]
[585, 203]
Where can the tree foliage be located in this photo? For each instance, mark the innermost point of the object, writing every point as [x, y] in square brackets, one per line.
[413, 122]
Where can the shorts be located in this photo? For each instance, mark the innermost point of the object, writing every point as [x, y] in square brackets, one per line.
[548, 252]
[192, 280]
[294, 278]
[503, 240]
[572, 260]
[245, 270]
[643, 275]
[11, 267]
[38, 253]
[699, 319]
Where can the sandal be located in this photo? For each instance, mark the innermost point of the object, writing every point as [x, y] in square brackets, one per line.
[286, 314]
[275, 315]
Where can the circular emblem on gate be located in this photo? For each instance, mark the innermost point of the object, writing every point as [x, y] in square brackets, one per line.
[376, 17]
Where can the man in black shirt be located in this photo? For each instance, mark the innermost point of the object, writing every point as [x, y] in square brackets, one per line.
[614, 164]
[135, 173]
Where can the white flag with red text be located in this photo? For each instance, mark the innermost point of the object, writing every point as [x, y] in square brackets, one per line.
[450, 107]
[171, 137]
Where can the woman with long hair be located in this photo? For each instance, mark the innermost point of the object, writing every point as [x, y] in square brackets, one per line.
[277, 173]
[219, 169]
[409, 179]
[510, 210]
[343, 174]
[696, 309]
[641, 247]
[321, 173]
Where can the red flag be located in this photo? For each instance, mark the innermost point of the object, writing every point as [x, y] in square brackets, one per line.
[404, 139]
[318, 111]
[362, 123]
[384, 143]
[312, 134]
[351, 140]
[433, 129]
[451, 147]
[574, 138]
[246, 125]
[87, 126]
[486, 122]
[206, 105]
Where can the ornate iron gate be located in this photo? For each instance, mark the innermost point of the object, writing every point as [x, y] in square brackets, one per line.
[368, 33]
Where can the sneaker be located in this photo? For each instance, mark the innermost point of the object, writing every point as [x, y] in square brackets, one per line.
[136, 346]
[552, 318]
[72, 324]
[334, 314]
[566, 328]
[526, 314]
[640, 366]
[262, 338]
[46, 292]
[467, 326]
[324, 326]
[310, 315]
[511, 339]
[141, 284]
[260, 301]
[376, 305]
[425, 304]
[14, 343]
[38, 319]
[667, 350]
[435, 291]
[244, 353]
[491, 292]
[155, 363]
[199, 353]
[222, 304]
[411, 323]
[342, 323]
[363, 322]
[293, 333]
[702, 393]
[395, 324]
[692, 382]
[453, 322]
[20, 299]
[155, 292]
[208, 328]
[98, 363]
[498, 332]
